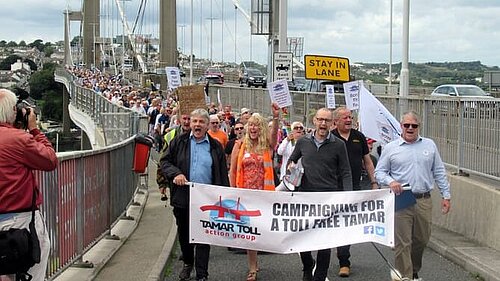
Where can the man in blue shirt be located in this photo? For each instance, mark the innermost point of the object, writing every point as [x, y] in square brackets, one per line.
[193, 157]
[415, 161]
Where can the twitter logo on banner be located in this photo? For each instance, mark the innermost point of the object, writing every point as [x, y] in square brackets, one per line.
[380, 231]
[368, 229]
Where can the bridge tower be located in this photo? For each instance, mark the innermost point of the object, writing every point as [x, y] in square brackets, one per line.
[168, 33]
[91, 31]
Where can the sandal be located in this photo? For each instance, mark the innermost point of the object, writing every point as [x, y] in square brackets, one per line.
[252, 276]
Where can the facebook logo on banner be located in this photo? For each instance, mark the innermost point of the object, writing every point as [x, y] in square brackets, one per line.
[368, 229]
[380, 231]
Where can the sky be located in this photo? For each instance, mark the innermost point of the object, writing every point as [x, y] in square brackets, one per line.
[440, 31]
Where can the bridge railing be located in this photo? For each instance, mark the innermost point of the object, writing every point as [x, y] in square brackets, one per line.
[90, 190]
[83, 198]
[117, 122]
[467, 133]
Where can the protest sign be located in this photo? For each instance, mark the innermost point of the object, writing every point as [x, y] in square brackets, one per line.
[279, 93]
[190, 98]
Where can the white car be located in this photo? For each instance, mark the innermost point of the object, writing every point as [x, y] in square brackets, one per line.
[472, 98]
[457, 90]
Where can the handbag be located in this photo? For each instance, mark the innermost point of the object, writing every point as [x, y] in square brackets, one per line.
[20, 248]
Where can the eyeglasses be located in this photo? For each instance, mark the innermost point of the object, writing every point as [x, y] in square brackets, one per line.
[321, 120]
[238, 128]
[414, 126]
[298, 128]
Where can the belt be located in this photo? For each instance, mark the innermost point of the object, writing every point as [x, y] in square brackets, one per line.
[19, 211]
[422, 195]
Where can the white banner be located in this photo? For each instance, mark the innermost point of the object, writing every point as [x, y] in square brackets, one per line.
[351, 92]
[289, 222]
[376, 121]
[330, 96]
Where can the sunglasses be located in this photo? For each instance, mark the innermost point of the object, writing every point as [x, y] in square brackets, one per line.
[214, 123]
[414, 126]
[238, 128]
[298, 128]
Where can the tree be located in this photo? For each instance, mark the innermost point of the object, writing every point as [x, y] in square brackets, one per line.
[38, 43]
[11, 44]
[22, 43]
[8, 61]
[43, 81]
[3, 44]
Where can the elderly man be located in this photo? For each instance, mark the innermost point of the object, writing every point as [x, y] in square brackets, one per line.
[413, 160]
[21, 153]
[359, 156]
[215, 131]
[194, 157]
[326, 168]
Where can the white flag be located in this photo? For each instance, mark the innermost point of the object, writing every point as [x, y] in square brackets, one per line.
[376, 121]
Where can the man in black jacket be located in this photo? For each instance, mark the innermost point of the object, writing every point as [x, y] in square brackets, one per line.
[193, 157]
[325, 162]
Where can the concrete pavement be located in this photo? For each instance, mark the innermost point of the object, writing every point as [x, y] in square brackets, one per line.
[146, 242]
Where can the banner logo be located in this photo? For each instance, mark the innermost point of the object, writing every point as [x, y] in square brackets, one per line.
[230, 218]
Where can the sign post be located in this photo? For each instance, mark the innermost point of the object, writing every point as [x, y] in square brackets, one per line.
[282, 66]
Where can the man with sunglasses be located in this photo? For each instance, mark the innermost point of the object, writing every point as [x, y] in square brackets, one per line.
[415, 161]
[215, 131]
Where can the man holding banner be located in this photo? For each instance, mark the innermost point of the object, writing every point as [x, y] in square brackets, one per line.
[415, 161]
[325, 161]
[193, 157]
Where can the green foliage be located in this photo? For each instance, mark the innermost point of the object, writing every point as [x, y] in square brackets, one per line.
[3, 44]
[52, 106]
[11, 44]
[37, 44]
[42, 82]
[8, 61]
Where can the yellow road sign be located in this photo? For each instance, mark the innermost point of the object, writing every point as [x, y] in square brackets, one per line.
[327, 68]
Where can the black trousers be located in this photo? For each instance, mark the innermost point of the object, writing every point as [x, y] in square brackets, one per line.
[343, 254]
[197, 254]
[322, 263]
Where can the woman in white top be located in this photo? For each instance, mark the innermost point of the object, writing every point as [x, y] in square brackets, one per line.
[288, 144]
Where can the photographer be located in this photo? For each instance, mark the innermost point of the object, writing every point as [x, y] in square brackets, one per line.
[21, 153]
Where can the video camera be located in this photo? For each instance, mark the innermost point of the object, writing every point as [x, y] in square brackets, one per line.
[23, 108]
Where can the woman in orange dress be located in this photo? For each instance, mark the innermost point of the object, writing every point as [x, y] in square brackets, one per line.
[252, 164]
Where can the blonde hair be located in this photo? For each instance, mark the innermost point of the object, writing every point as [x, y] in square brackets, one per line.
[262, 141]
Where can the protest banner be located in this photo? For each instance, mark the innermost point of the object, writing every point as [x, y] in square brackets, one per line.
[351, 92]
[330, 96]
[289, 222]
[173, 77]
[190, 98]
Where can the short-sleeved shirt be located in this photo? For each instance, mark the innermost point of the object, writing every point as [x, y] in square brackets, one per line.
[356, 148]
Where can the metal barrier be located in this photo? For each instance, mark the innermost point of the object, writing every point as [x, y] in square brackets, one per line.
[83, 198]
[90, 190]
[466, 132]
[117, 122]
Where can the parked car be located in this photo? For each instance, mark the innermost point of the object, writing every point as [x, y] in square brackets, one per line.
[472, 98]
[215, 71]
[297, 84]
[253, 77]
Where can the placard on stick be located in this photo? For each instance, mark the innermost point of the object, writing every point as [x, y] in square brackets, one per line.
[190, 98]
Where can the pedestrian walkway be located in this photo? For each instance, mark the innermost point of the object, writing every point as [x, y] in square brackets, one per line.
[146, 243]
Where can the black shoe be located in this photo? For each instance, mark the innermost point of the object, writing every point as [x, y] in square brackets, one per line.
[186, 272]
[308, 273]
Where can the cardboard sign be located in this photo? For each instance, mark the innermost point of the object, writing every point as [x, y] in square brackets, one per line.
[190, 98]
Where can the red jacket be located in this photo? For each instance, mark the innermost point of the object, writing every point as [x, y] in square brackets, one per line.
[20, 153]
